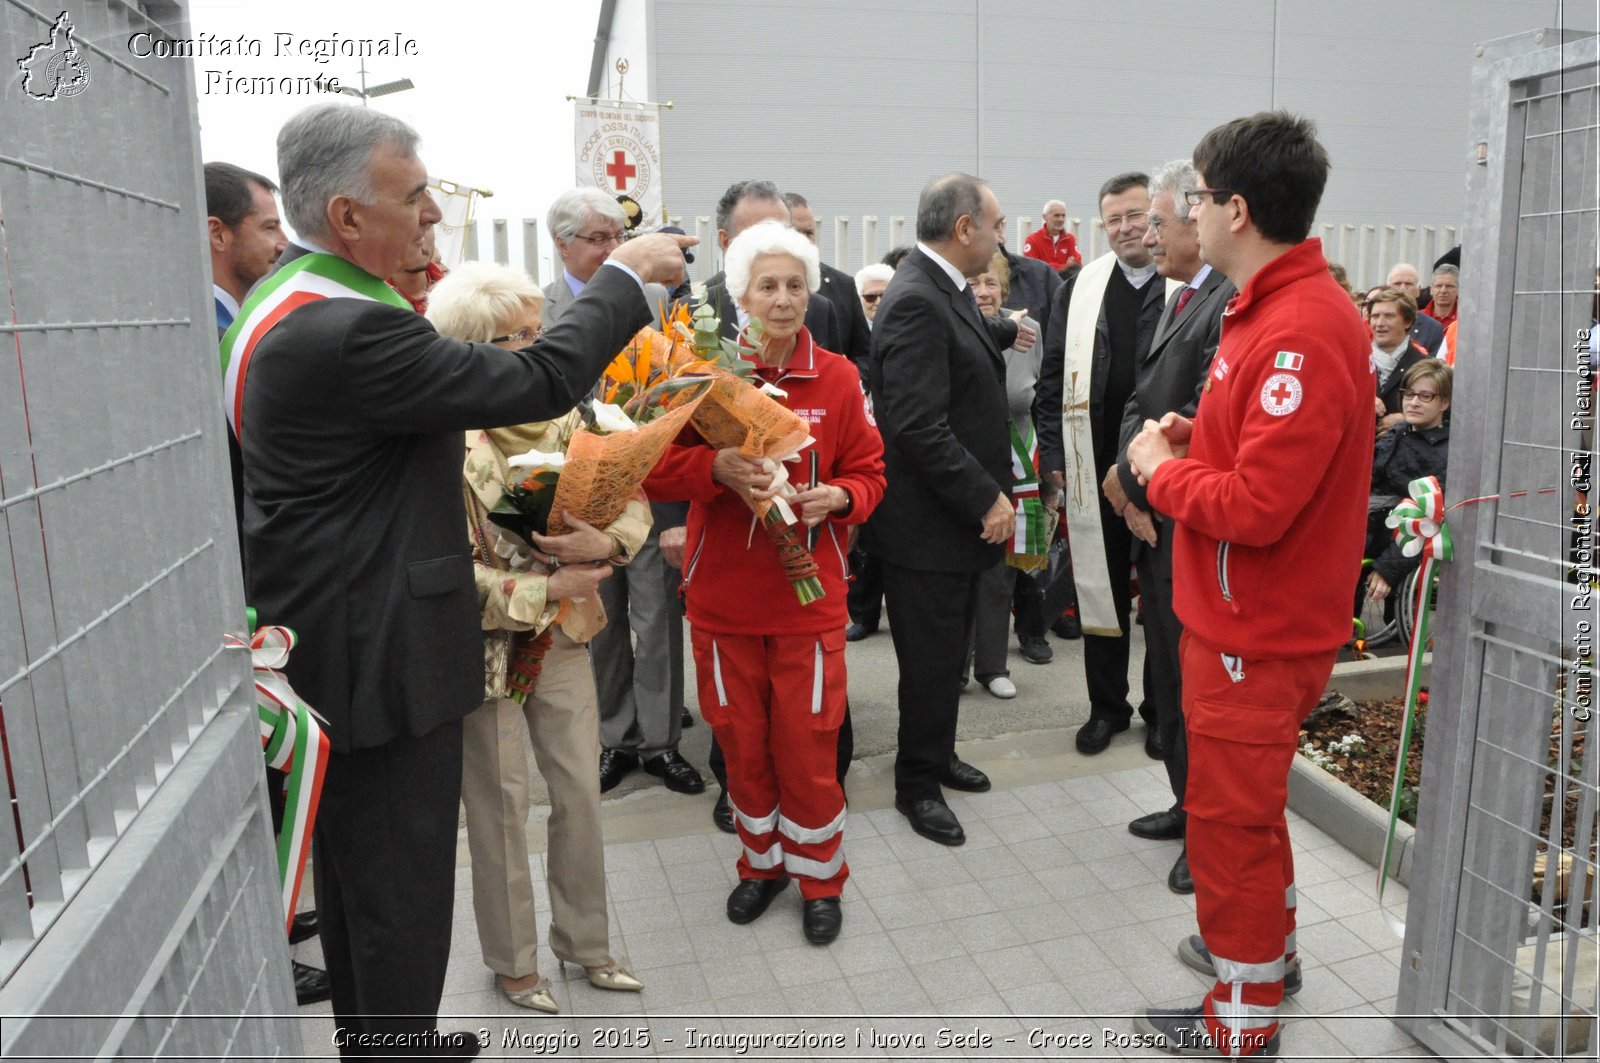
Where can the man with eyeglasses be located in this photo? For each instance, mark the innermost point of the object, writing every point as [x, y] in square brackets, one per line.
[1267, 487]
[638, 656]
[1100, 328]
[1169, 378]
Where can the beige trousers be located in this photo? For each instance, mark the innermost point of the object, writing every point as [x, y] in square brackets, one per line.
[560, 716]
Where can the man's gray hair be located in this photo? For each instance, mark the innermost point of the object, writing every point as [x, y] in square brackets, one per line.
[1052, 203]
[740, 191]
[565, 217]
[770, 237]
[873, 271]
[326, 151]
[1177, 177]
[942, 203]
[1448, 270]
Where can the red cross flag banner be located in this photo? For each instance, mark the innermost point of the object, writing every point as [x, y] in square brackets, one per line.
[619, 152]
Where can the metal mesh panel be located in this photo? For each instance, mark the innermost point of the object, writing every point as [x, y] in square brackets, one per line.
[132, 766]
[1501, 941]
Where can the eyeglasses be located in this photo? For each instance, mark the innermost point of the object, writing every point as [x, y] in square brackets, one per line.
[600, 239]
[1420, 396]
[1157, 221]
[519, 337]
[1194, 195]
[1116, 221]
[871, 297]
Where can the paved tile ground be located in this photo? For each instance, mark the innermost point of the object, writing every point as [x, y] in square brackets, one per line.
[1038, 939]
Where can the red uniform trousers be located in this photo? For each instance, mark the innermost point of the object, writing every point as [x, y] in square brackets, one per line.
[1242, 719]
[775, 703]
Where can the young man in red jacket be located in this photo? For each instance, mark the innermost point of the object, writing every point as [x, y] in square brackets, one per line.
[1268, 488]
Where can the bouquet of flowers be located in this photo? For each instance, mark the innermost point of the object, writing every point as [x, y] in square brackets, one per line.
[743, 413]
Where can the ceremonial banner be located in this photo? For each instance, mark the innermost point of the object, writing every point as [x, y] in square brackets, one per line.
[619, 152]
[450, 232]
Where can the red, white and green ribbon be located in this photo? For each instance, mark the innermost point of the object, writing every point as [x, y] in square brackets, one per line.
[292, 741]
[1420, 529]
[1029, 549]
[305, 280]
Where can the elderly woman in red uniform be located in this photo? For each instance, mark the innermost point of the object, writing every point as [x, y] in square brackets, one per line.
[771, 671]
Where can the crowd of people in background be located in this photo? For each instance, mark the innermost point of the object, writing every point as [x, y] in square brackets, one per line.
[1195, 410]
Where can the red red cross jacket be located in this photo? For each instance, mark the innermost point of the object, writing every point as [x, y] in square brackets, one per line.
[733, 581]
[1271, 503]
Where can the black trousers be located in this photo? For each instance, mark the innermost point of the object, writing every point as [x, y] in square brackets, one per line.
[864, 596]
[1105, 657]
[931, 612]
[1163, 674]
[385, 848]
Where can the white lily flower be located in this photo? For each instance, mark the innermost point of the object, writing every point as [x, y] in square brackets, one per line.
[609, 417]
[538, 459]
[772, 391]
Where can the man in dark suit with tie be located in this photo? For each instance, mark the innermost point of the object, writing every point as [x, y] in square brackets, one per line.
[741, 206]
[351, 411]
[838, 287]
[1168, 378]
[938, 392]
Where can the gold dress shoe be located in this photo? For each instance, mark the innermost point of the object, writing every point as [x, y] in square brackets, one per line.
[613, 976]
[536, 996]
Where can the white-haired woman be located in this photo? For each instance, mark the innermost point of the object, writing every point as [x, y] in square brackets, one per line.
[770, 670]
[540, 606]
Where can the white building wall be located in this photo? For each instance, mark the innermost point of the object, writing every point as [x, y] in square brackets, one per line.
[856, 104]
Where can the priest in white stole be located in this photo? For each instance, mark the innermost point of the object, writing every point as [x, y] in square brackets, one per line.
[1100, 326]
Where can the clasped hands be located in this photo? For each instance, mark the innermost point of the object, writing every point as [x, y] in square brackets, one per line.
[577, 558]
[748, 475]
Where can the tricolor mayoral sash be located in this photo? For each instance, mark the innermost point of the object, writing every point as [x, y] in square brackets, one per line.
[305, 280]
[1081, 497]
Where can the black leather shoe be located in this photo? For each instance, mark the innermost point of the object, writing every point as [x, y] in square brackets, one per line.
[305, 926]
[311, 985]
[963, 776]
[1068, 627]
[1152, 743]
[687, 720]
[856, 632]
[1178, 879]
[751, 897]
[822, 920]
[932, 818]
[721, 814]
[614, 764]
[677, 773]
[1094, 736]
[1165, 825]
[1035, 650]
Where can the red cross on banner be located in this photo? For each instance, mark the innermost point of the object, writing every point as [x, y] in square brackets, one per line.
[620, 170]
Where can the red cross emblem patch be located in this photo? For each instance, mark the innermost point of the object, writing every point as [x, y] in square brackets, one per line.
[1280, 395]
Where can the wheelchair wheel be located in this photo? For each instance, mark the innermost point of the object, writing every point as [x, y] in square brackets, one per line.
[1377, 622]
[1406, 604]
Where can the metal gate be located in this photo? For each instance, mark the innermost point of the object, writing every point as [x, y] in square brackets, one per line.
[138, 898]
[1500, 954]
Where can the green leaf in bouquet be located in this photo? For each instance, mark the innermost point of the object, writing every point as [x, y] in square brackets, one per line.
[524, 506]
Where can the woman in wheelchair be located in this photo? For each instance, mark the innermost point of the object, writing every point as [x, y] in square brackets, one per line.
[1418, 446]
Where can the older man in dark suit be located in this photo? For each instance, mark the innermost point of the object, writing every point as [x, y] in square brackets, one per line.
[1168, 378]
[741, 206]
[350, 411]
[938, 392]
[838, 287]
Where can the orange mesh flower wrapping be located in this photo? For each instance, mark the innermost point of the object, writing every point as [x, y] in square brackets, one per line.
[604, 469]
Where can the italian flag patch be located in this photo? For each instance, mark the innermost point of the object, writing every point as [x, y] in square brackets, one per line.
[1288, 360]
